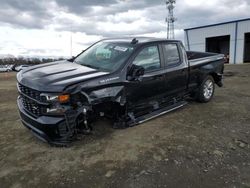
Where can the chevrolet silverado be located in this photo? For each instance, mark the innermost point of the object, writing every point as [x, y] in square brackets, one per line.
[130, 80]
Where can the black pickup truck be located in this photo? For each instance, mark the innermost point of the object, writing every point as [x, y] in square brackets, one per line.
[129, 80]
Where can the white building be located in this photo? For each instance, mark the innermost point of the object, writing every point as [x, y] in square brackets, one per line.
[231, 38]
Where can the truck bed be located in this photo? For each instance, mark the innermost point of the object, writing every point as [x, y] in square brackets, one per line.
[195, 58]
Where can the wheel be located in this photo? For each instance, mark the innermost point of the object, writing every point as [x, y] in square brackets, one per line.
[206, 90]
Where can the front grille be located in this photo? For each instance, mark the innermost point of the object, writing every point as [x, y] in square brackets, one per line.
[31, 104]
[30, 92]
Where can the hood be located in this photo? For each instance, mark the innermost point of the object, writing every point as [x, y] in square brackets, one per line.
[54, 77]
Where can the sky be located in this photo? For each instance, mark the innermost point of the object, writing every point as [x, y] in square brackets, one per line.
[46, 27]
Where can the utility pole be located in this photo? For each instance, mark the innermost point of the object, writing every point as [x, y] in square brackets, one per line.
[71, 41]
[71, 44]
[170, 19]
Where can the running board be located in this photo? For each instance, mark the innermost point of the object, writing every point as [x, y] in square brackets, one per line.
[154, 114]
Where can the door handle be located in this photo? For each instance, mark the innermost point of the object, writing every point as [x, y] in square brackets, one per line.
[152, 77]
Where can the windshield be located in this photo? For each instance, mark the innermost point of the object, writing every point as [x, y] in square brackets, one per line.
[105, 56]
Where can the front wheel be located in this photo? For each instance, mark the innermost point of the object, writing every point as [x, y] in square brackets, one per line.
[206, 90]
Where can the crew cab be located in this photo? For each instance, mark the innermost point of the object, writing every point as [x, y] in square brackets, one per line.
[130, 80]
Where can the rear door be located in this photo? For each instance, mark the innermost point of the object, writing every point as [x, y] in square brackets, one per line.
[177, 69]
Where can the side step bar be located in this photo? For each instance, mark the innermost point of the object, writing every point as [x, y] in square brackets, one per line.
[154, 114]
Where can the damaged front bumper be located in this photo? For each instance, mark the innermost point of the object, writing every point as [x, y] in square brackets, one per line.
[54, 130]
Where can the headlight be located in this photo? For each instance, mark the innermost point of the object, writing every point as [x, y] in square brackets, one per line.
[55, 110]
[57, 98]
[56, 103]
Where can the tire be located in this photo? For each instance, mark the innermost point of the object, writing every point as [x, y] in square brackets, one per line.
[206, 90]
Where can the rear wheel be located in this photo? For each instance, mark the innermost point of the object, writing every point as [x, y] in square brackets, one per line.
[206, 90]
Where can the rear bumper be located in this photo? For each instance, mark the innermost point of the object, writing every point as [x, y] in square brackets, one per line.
[46, 128]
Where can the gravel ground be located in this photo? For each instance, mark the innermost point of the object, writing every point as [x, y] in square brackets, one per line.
[200, 145]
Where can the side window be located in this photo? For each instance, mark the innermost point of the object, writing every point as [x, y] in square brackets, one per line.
[148, 58]
[172, 54]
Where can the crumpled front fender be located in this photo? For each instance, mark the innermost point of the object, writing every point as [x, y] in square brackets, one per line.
[111, 94]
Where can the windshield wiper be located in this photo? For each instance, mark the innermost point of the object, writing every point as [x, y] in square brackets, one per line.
[90, 66]
[86, 65]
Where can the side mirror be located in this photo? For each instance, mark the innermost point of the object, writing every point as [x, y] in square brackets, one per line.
[134, 72]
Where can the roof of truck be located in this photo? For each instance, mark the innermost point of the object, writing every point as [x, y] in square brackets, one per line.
[140, 39]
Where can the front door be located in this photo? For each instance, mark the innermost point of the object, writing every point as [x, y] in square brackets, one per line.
[152, 83]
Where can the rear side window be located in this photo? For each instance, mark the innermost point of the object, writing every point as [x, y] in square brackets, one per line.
[172, 54]
[148, 58]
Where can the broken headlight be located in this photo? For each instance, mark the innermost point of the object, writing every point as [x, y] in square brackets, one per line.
[56, 103]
